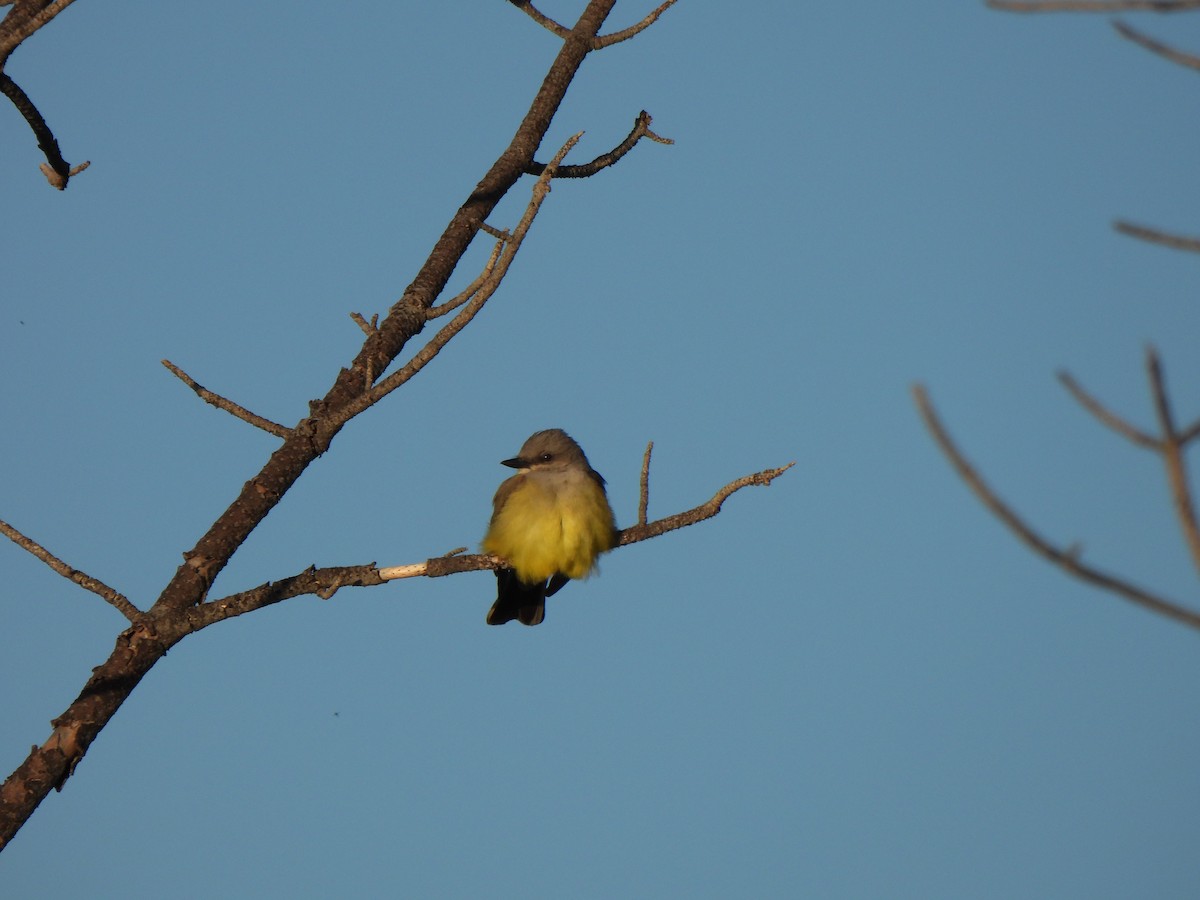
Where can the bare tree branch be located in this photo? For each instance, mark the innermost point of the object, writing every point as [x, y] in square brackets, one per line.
[1066, 559]
[368, 328]
[625, 34]
[56, 169]
[1172, 452]
[471, 289]
[140, 647]
[1107, 417]
[599, 42]
[644, 488]
[85, 581]
[641, 129]
[1108, 6]
[1158, 237]
[449, 565]
[325, 582]
[636, 533]
[490, 284]
[542, 19]
[23, 20]
[226, 404]
[1175, 56]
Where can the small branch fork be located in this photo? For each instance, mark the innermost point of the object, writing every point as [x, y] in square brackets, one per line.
[600, 41]
[641, 129]
[1170, 443]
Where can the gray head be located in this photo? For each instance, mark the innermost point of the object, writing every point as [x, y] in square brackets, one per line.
[549, 450]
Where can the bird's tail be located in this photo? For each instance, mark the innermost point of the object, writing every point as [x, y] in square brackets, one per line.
[517, 600]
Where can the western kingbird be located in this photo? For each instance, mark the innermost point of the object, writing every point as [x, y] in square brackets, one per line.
[549, 523]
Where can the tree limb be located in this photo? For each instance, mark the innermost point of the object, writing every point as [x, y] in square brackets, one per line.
[452, 564]
[23, 20]
[641, 129]
[226, 404]
[115, 598]
[490, 284]
[1066, 559]
[140, 647]
[60, 171]
[644, 486]
[471, 289]
[1172, 453]
[1175, 56]
[1107, 417]
[625, 34]
[1158, 237]
[541, 18]
[1036, 6]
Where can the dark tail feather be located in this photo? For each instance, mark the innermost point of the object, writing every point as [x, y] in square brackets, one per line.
[516, 600]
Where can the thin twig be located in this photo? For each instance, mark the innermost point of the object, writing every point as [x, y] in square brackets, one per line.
[1035, 6]
[368, 328]
[541, 18]
[1067, 559]
[699, 513]
[226, 404]
[1175, 56]
[469, 291]
[1155, 236]
[641, 129]
[1107, 416]
[607, 40]
[644, 493]
[85, 581]
[1172, 451]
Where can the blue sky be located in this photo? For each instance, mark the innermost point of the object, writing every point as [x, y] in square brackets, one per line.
[851, 684]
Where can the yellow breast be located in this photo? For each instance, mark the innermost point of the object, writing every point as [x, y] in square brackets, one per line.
[547, 526]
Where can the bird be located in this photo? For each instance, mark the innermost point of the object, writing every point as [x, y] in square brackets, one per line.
[549, 524]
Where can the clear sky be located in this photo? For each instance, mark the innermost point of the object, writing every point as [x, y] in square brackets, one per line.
[851, 684]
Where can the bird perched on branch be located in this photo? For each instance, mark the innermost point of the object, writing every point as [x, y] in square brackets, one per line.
[550, 522]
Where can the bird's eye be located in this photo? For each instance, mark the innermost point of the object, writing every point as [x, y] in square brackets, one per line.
[546, 457]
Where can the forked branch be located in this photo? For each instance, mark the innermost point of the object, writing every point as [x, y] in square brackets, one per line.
[641, 129]
[600, 41]
[1068, 559]
[607, 40]
[1173, 444]
[494, 275]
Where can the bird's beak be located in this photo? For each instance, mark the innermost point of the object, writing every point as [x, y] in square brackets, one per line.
[515, 463]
